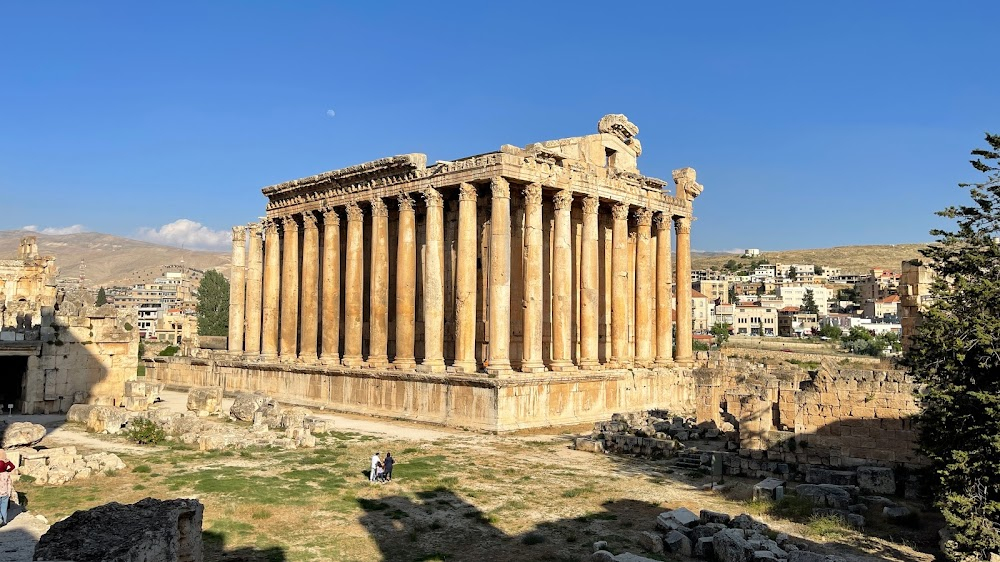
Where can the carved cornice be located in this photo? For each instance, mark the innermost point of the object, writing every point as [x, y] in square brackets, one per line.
[359, 174]
[643, 217]
[591, 205]
[432, 197]
[618, 125]
[532, 194]
[682, 225]
[563, 200]
[354, 212]
[620, 211]
[378, 208]
[467, 192]
[500, 188]
[405, 203]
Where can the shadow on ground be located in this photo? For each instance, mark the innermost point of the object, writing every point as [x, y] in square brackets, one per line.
[215, 550]
[440, 525]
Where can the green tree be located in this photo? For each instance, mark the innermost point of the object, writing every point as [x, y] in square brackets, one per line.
[102, 297]
[731, 265]
[832, 331]
[792, 273]
[809, 303]
[732, 294]
[213, 305]
[721, 332]
[955, 355]
[818, 269]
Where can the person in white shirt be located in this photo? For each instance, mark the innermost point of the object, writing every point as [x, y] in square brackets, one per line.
[375, 462]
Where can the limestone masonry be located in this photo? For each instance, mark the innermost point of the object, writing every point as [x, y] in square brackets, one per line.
[519, 288]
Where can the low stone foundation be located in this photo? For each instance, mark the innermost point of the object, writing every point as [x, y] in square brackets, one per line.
[468, 401]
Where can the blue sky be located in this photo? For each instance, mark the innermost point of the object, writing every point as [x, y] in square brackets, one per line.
[810, 124]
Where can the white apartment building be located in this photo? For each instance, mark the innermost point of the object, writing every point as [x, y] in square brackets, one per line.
[794, 295]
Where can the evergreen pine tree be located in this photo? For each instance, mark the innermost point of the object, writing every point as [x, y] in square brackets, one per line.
[809, 303]
[102, 297]
[955, 354]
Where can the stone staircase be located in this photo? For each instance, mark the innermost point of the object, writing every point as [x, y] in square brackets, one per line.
[688, 460]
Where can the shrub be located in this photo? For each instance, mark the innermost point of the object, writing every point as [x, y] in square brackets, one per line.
[145, 432]
[169, 351]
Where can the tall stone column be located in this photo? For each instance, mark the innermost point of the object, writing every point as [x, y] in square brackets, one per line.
[562, 285]
[330, 353]
[620, 356]
[683, 354]
[499, 314]
[532, 361]
[354, 278]
[378, 295]
[288, 343]
[664, 292]
[589, 286]
[643, 289]
[465, 281]
[237, 290]
[406, 284]
[310, 287]
[272, 288]
[255, 273]
[434, 284]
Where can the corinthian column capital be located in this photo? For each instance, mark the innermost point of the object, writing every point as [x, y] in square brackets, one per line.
[354, 212]
[591, 205]
[467, 192]
[563, 199]
[682, 225]
[661, 221]
[500, 188]
[239, 233]
[620, 211]
[432, 197]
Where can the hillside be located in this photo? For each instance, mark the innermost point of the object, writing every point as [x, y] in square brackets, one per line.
[850, 259]
[111, 260]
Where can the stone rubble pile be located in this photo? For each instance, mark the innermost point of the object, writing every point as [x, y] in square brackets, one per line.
[715, 536]
[655, 433]
[297, 425]
[51, 466]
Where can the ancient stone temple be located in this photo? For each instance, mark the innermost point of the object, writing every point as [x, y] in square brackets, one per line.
[523, 287]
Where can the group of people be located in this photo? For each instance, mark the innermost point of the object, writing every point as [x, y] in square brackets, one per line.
[381, 468]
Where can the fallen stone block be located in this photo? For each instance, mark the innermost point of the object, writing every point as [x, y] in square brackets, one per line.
[769, 489]
[246, 404]
[166, 531]
[651, 541]
[135, 389]
[21, 434]
[703, 548]
[825, 495]
[107, 419]
[135, 403]
[205, 400]
[629, 557]
[895, 513]
[731, 546]
[671, 520]
[78, 413]
[602, 556]
[589, 445]
[715, 517]
[678, 543]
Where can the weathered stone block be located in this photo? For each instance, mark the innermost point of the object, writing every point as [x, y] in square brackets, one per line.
[246, 404]
[703, 548]
[204, 399]
[107, 419]
[715, 517]
[20, 434]
[167, 531]
[825, 495]
[78, 413]
[651, 541]
[876, 480]
[135, 389]
[678, 543]
[671, 520]
[135, 403]
[731, 546]
[769, 489]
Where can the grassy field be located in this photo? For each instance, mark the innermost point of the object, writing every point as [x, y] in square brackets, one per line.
[462, 497]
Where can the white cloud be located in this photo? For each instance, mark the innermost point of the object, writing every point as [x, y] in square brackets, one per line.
[74, 229]
[188, 234]
[331, 113]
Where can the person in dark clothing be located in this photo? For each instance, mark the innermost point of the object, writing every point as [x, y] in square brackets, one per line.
[387, 463]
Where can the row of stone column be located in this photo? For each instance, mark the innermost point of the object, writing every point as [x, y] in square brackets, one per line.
[261, 278]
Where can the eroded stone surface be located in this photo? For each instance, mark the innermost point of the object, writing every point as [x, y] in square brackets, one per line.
[161, 530]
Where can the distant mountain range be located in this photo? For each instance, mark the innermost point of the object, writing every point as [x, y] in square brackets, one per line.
[850, 259]
[111, 260]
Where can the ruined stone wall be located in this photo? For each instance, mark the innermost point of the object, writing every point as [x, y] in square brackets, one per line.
[85, 358]
[475, 402]
[790, 420]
